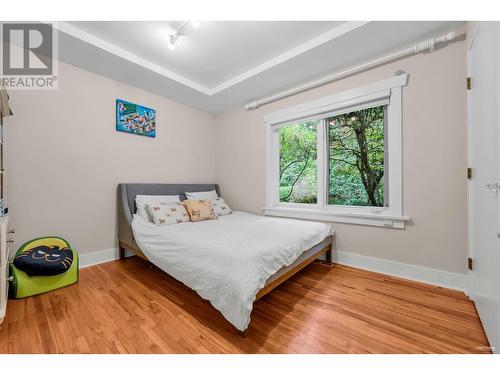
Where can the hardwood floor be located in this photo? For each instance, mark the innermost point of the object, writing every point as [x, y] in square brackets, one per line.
[129, 306]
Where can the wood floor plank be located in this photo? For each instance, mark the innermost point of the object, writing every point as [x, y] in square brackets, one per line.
[130, 306]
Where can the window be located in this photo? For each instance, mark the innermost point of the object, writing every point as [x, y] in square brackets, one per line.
[298, 154]
[356, 158]
[339, 158]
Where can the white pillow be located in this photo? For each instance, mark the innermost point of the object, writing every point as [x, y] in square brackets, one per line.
[203, 195]
[168, 213]
[142, 200]
[220, 207]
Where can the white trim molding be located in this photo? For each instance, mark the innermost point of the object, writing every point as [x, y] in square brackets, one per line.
[406, 271]
[359, 95]
[373, 219]
[385, 92]
[425, 46]
[450, 280]
[129, 56]
[98, 257]
[336, 32]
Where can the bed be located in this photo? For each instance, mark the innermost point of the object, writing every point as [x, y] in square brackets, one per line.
[232, 261]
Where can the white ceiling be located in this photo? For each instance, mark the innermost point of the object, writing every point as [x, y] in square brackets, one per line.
[225, 64]
[213, 53]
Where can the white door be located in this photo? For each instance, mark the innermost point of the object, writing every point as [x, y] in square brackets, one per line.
[484, 190]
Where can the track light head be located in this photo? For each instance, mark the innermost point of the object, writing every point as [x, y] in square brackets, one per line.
[174, 39]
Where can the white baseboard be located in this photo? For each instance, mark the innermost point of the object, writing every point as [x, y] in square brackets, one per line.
[431, 276]
[97, 257]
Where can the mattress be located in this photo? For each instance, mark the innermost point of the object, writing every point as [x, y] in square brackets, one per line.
[228, 260]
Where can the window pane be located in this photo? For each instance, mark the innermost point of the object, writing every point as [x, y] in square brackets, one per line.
[356, 158]
[298, 172]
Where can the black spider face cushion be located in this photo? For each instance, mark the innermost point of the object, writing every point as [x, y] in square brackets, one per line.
[44, 261]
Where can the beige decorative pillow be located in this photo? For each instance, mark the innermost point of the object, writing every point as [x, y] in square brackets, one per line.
[199, 209]
[168, 213]
[220, 207]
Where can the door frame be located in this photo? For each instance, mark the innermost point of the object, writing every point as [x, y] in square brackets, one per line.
[470, 205]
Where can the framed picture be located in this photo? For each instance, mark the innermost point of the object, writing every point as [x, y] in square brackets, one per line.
[135, 118]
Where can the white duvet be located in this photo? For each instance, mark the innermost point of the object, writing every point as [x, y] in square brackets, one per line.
[228, 260]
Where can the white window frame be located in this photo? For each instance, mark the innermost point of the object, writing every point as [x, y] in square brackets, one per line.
[385, 92]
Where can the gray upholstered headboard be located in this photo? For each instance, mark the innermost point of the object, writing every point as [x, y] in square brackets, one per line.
[127, 193]
[126, 202]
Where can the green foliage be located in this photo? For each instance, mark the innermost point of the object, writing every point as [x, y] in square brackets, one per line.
[298, 175]
[356, 151]
[356, 160]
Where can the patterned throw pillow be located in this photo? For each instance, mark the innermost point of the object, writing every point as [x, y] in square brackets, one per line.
[199, 209]
[168, 213]
[220, 207]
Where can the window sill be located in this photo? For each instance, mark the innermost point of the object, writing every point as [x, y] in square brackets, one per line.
[371, 219]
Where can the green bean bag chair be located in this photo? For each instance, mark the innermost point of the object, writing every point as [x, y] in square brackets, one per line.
[47, 263]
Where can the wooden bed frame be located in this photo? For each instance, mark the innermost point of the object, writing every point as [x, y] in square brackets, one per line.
[126, 208]
[294, 268]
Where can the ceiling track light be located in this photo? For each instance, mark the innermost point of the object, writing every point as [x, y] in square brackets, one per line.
[174, 39]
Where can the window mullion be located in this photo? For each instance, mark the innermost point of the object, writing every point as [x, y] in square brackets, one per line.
[275, 139]
[321, 162]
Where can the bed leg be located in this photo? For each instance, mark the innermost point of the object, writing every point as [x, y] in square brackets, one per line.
[122, 253]
[329, 257]
[243, 333]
